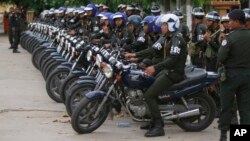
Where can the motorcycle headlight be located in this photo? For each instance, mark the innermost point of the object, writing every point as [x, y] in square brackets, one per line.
[107, 70]
[112, 60]
[98, 60]
[89, 55]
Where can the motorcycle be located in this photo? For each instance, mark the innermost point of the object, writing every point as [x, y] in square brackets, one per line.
[186, 103]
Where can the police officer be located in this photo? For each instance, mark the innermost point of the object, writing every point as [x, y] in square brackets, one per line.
[130, 10]
[16, 28]
[60, 18]
[10, 32]
[234, 55]
[198, 46]
[184, 30]
[146, 37]
[173, 50]
[105, 35]
[212, 40]
[155, 10]
[134, 25]
[225, 23]
[247, 15]
[120, 31]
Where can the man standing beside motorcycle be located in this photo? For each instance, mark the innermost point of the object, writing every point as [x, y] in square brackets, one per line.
[237, 72]
[173, 51]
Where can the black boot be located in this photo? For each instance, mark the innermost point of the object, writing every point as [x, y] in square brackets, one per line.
[147, 126]
[234, 120]
[16, 51]
[156, 130]
[223, 135]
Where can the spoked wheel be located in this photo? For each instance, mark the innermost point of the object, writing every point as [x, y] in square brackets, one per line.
[53, 83]
[207, 113]
[76, 94]
[83, 120]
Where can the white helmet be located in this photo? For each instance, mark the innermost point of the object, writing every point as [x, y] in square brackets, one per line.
[172, 21]
[224, 18]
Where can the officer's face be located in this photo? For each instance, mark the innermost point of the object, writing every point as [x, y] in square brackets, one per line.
[102, 21]
[130, 27]
[11, 9]
[164, 28]
[81, 15]
[70, 14]
[100, 8]
[248, 24]
[209, 23]
[145, 28]
[233, 24]
[129, 12]
[118, 22]
[89, 12]
[225, 25]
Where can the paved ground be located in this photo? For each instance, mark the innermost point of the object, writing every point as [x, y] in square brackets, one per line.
[28, 114]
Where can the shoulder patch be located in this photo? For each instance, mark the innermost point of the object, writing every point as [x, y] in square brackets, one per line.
[224, 42]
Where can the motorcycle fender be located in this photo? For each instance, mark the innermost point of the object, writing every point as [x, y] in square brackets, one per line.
[55, 56]
[63, 67]
[86, 81]
[60, 60]
[67, 64]
[87, 77]
[95, 94]
[79, 82]
[44, 45]
[77, 72]
[50, 50]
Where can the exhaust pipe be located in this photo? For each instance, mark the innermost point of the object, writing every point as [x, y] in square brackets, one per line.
[186, 114]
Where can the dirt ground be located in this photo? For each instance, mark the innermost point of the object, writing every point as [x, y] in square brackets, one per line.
[28, 114]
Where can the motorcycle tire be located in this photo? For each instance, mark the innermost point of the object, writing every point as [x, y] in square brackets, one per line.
[88, 107]
[196, 124]
[76, 94]
[66, 84]
[53, 83]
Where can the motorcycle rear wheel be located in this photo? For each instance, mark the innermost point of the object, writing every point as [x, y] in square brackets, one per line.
[201, 122]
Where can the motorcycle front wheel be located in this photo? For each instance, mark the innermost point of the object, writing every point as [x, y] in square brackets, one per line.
[202, 121]
[76, 94]
[83, 120]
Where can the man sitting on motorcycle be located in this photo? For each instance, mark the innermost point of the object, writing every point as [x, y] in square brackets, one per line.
[172, 49]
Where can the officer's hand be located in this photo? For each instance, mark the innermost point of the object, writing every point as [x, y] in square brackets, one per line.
[207, 37]
[149, 71]
[105, 29]
[107, 45]
[222, 37]
[133, 60]
[129, 55]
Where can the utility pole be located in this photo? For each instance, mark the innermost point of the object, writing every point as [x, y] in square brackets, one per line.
[189, 14]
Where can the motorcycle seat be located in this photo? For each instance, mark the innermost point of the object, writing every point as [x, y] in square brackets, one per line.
[192, 76]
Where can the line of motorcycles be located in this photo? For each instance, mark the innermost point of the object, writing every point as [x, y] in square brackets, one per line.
[91, 80]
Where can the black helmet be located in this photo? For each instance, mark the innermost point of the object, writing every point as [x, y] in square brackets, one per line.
[213, 16]
[198, 12]
[178, 13]
[135, 20]
[247, 13]
[155, 9]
